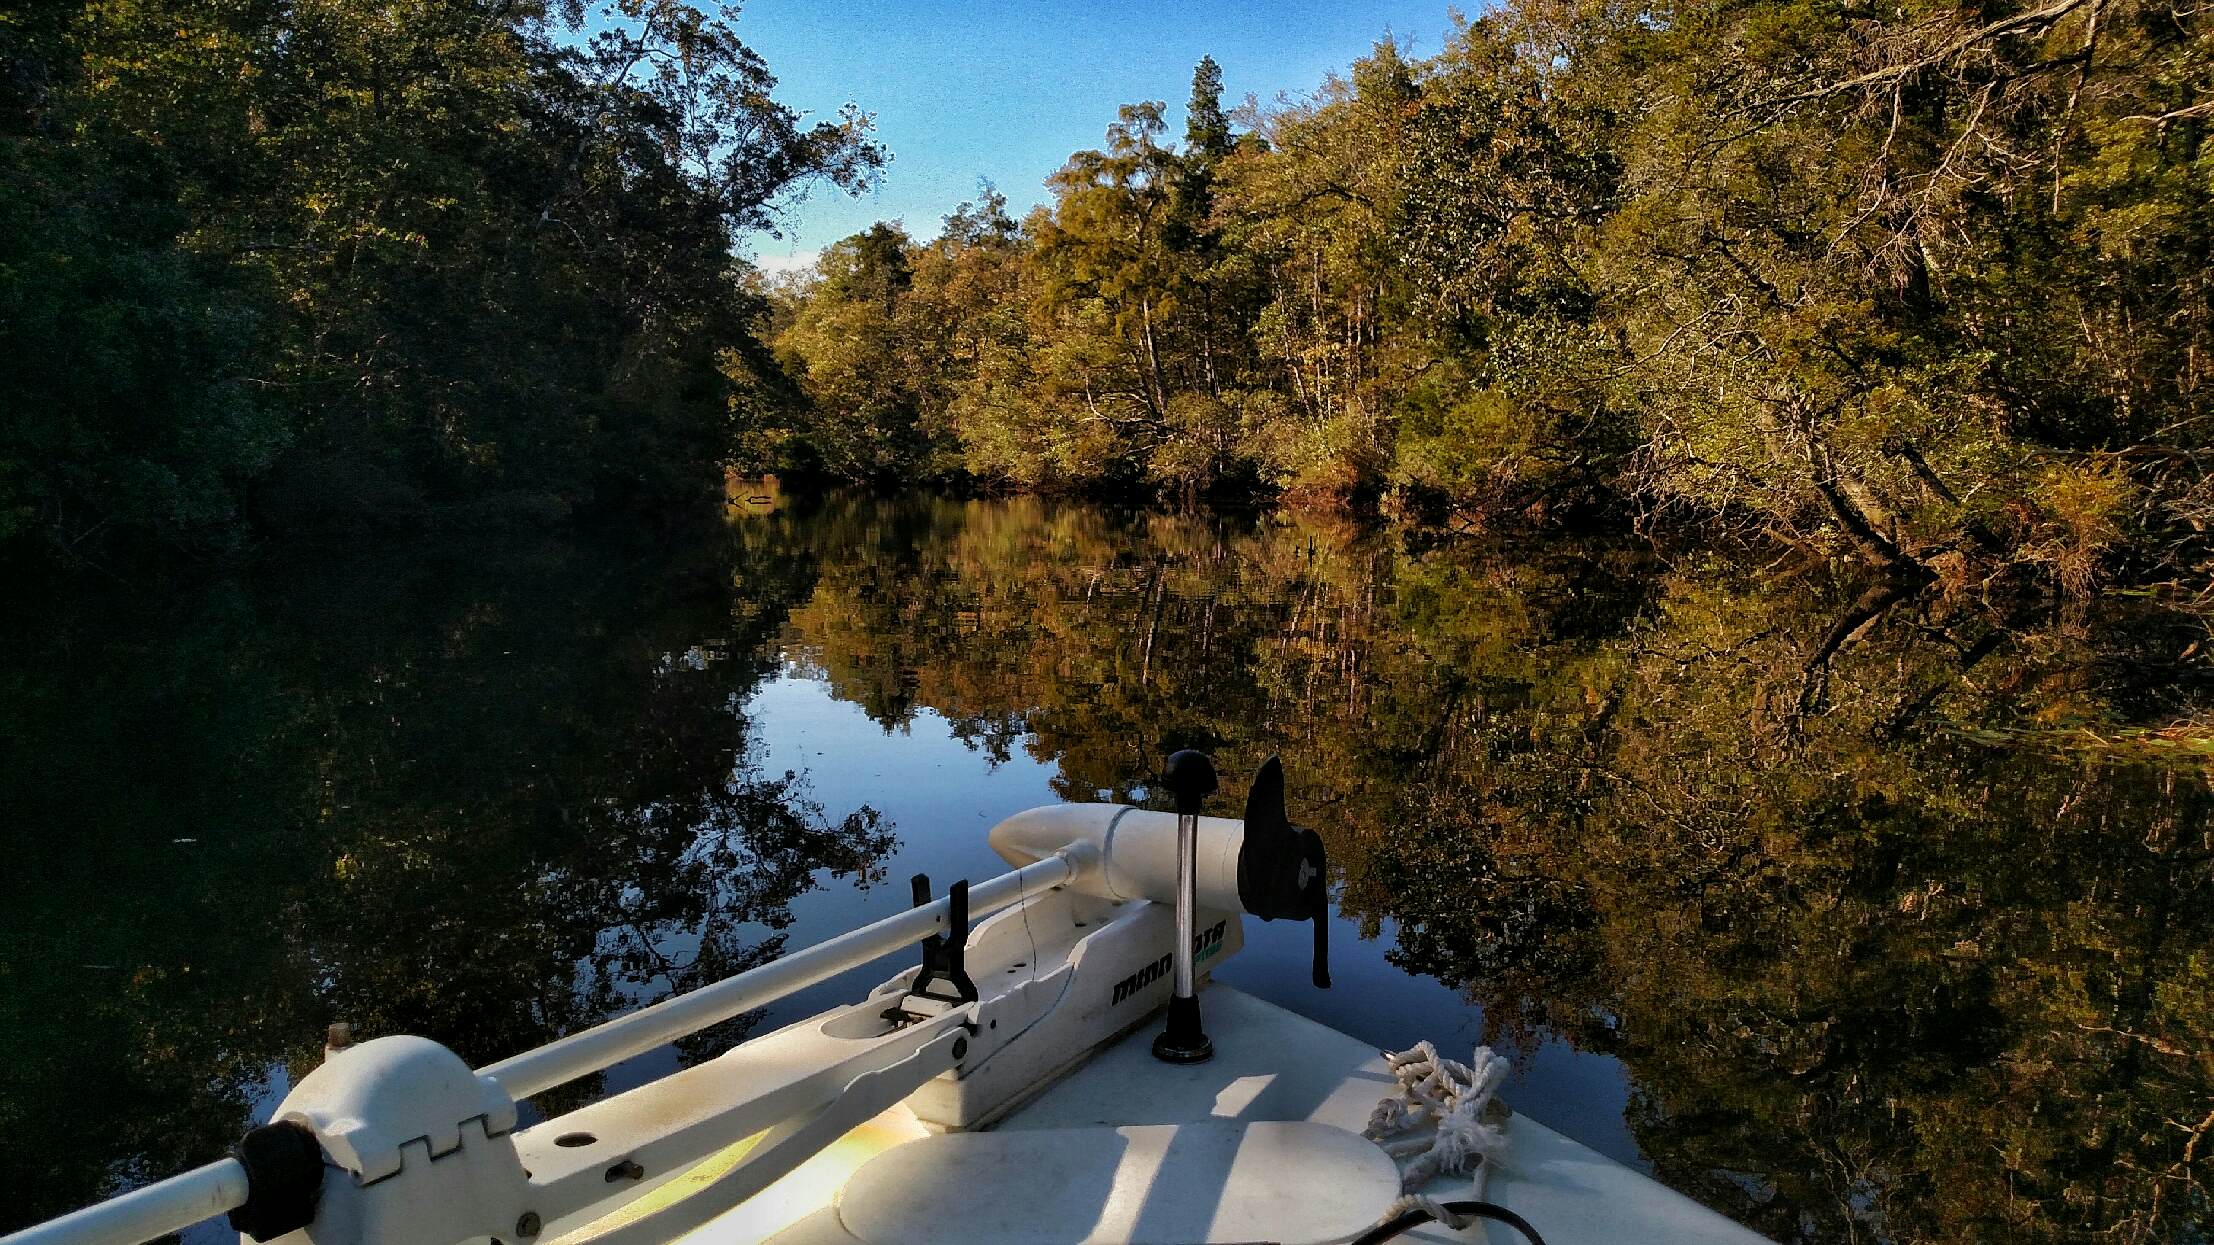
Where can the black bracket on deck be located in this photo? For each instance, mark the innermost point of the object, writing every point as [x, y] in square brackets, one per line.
[944, 956]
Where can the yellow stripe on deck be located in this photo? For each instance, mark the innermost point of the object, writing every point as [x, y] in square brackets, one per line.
[801, 1192]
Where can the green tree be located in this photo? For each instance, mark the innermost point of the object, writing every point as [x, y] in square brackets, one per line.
[1924, 287]
[337, 265]
[1316, 209]
[848, 345]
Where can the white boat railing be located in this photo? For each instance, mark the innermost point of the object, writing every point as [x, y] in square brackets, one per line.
[581, 1054]
[166, 1206]
[184, 1200]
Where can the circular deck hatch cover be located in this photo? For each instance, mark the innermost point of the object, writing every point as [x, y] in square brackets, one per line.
[1184, 1184]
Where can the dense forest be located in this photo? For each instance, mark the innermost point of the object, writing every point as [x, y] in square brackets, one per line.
[1926, 284]
[340, 266]
[1924, 290]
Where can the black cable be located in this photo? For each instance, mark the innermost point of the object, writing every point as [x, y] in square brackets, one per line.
[1482, 1210]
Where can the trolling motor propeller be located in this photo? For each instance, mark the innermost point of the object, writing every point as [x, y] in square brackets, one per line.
[1283, 870]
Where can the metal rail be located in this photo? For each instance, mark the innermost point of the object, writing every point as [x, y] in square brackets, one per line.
[177, 1203]
[581, 1054]
[142, 1214]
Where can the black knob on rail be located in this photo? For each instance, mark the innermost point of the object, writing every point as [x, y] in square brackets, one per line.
[284, 1180]
[1190, 777]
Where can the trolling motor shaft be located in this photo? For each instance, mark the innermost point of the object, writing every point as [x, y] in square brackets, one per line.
[1191, 777]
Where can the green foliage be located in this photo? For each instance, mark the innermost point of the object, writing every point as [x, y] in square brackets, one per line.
[846, 346]
[1925, 285]
[339, 265]
[1095, 346]
[125, 404]
[1928, 285]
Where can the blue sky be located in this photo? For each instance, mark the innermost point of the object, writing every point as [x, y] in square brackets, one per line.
[1006, 91]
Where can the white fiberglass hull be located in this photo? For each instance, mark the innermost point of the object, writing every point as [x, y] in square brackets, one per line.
[1269, 1065]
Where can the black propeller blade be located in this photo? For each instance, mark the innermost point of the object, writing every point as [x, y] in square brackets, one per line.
[1282, 869]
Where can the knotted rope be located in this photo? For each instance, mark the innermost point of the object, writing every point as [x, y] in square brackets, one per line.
[1453, 1095]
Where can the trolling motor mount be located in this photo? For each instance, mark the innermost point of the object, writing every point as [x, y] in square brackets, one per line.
[1264, 865]
[944, 960]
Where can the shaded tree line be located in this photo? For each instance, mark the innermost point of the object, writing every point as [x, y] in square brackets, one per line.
[334, 266]
[1924, 284]
[487, 806]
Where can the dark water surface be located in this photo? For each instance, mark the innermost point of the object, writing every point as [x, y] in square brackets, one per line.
[1859, 918]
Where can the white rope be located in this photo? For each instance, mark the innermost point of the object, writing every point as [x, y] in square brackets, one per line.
[1450, 1096]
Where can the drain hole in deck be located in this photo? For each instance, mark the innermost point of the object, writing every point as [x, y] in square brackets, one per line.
[572, 1140]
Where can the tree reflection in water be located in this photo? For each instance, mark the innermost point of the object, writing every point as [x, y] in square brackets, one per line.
[1898, 931]
[488, 806]
[1886, 955]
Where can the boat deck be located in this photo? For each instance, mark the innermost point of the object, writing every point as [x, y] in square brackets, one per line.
[1269, 1064]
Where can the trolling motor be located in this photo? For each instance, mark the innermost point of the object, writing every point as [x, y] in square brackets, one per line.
[1281, 873]
[1264, 865]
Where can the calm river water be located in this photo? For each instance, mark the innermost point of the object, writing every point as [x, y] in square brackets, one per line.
[1859, 918]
